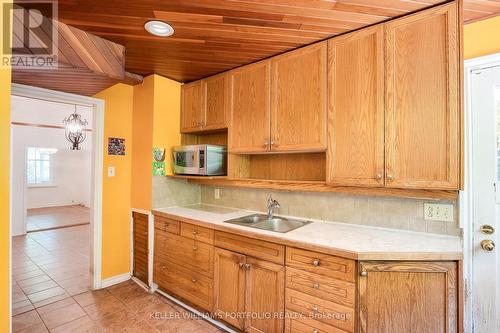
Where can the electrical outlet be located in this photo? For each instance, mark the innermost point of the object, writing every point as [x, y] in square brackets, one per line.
[217, 193]
[438, 212]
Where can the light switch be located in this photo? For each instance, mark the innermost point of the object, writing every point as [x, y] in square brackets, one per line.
[438, 212]
[111, 171]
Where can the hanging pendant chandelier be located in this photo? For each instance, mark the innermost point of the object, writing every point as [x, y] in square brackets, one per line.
[75, 129]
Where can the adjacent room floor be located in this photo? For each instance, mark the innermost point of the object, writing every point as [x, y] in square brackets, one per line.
[50, 292]
[39, 219]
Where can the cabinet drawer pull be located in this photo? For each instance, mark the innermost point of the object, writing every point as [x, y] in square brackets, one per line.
[314, 331]
[163, 267]
[316, 262]
[195, 248]
[195, 232]
[314, 308]
[316, 286]
[194, 280]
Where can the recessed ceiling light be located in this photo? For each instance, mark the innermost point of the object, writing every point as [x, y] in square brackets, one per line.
[159, 28]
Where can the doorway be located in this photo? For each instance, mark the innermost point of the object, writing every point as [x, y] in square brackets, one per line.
[481, 199]
[67, 236]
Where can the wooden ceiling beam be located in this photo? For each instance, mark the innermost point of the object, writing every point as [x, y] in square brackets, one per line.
[86, 64]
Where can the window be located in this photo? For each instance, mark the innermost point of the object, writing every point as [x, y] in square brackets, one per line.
[39, 165]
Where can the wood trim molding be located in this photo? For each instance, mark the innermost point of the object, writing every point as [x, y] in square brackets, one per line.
[42, 125]
[319, 186]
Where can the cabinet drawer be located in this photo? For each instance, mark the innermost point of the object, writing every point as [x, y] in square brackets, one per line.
[191, 254]
[333, 290]
[197, 233]
[193, 287]
[252, 247]
[296, 323]
[320, 263]
[323, 311]
[168, 225]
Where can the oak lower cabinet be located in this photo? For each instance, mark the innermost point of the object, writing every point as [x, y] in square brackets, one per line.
[183, 261]
[320, 292]
[141, 246]
[420, 297]
[249, 292]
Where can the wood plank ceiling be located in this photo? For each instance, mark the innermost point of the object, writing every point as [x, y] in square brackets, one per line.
[216, 35]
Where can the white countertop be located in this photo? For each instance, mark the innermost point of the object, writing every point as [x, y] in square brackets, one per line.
[364, 241]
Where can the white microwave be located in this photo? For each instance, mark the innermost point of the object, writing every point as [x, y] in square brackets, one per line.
[202, 160]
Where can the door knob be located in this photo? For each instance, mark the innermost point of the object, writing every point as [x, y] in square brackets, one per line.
[487, 229]
[488, 245]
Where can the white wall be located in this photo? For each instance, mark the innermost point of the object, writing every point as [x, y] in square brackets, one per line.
[71, 169]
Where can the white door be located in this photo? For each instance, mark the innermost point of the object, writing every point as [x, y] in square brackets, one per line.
[485, 178]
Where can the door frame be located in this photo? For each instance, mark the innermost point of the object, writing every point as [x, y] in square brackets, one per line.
[97, 162]
[466, 196]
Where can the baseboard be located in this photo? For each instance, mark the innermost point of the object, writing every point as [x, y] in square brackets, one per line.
[58, 204]
[115, 280]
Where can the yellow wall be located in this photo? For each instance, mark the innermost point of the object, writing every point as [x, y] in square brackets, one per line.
[142, 144]
[482, 38]
[4, 190]
[116, 190]
[167, 113]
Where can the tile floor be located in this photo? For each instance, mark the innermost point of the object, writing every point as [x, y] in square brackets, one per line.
[50, 292]
[56, 217]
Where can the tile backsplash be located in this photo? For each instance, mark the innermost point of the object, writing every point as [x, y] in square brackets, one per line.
[397, 213]
[168, 192]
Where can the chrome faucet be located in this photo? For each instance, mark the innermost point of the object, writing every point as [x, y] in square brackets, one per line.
[271, 204]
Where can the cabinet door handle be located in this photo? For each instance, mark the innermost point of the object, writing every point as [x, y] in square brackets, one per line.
[316, 286]
[248, 266]
[378, 176]
[390, 177]
[266, 144]
[363, 273]
[195, 232]
[163, 267]
[315, 308]
[314, 331]
[316, 262]
[194, 280]
[241, 265]
[195, 248]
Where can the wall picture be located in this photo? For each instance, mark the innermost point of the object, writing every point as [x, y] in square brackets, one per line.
[158, 161]
[116, 146]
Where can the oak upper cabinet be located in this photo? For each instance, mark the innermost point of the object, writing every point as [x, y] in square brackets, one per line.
[249, 125]
[408, 297]
[216, 102]
[423, 122]
[355, 155]
[192, 106]
[204, 104]
[299, 100]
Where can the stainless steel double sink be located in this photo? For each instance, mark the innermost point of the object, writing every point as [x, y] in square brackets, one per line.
[261, 221]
